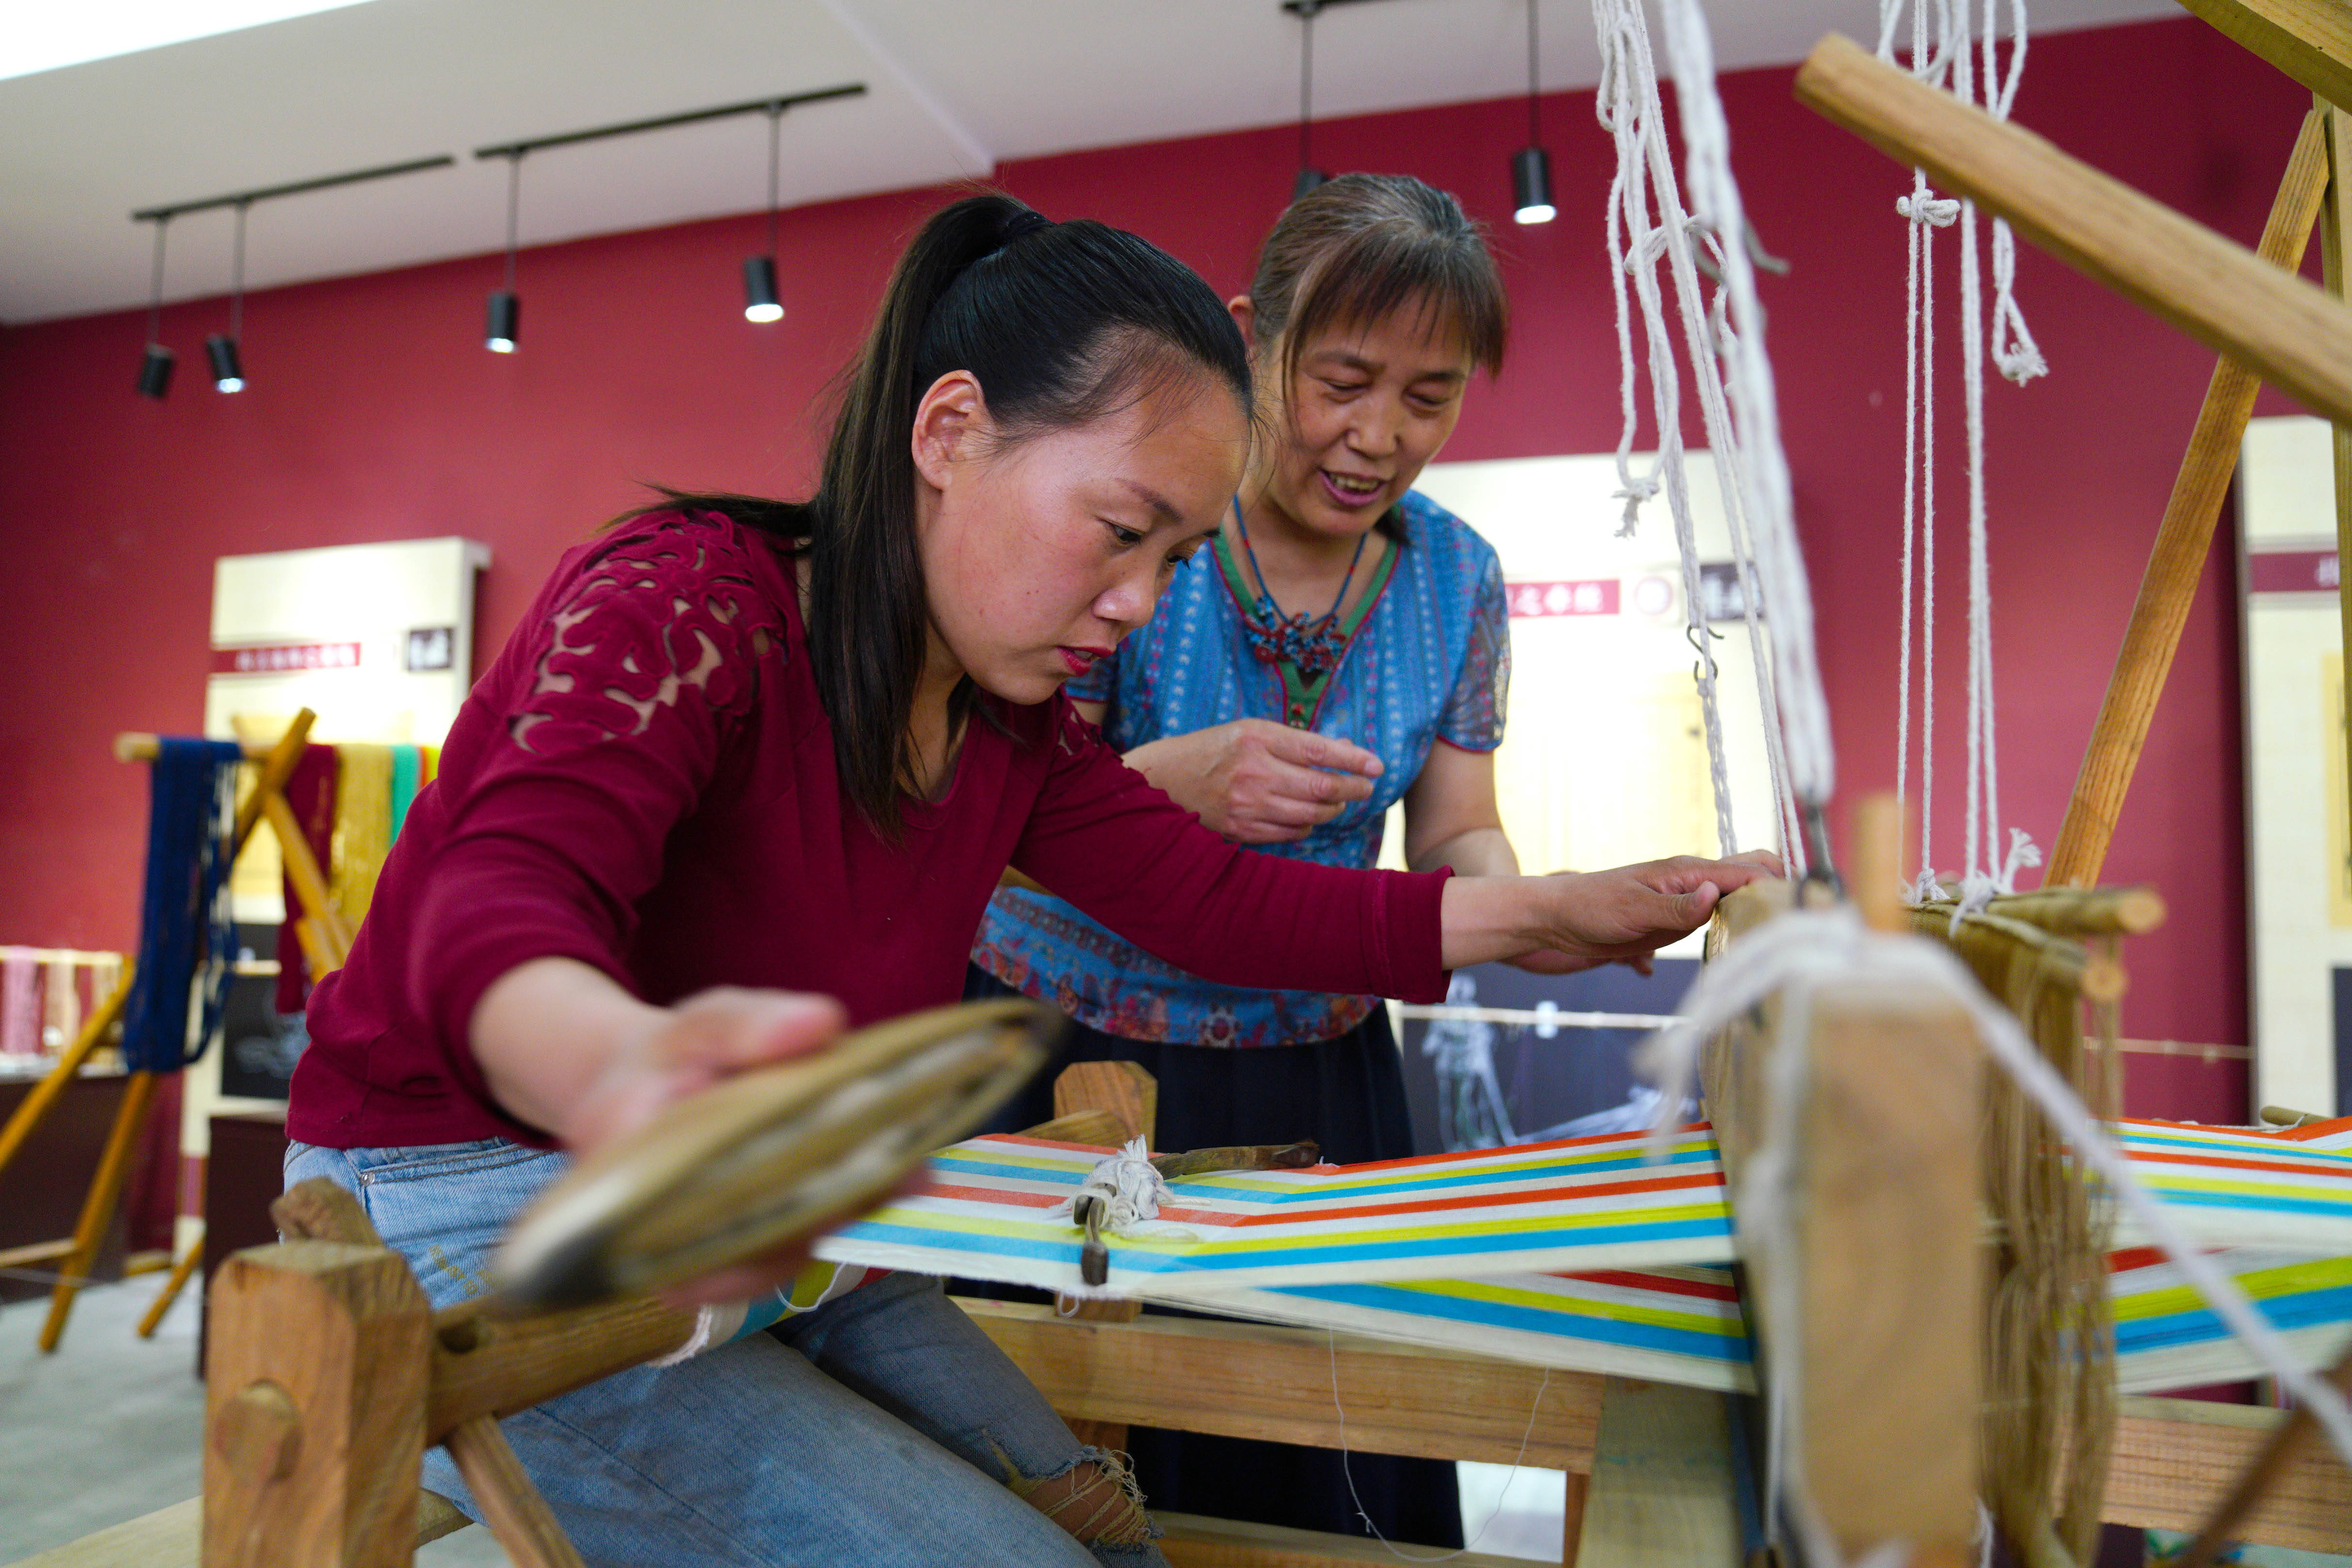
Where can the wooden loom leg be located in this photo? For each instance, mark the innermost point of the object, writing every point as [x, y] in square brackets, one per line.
[1129, 1092]
[315, 1408]
[1664, 1486]
[181, 1271]
[517, 1515]
[98, 1208]
[2333, 254]
[2183, 540]
[35, 1107]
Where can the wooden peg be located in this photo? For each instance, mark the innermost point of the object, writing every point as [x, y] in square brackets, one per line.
[1122, 1088]
[1878, 882]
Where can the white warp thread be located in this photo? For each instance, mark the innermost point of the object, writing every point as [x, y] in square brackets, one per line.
[1944, 45]
[1793, 956]
[1725, 352]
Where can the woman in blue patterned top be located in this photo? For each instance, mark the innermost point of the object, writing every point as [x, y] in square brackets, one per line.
[1341, 646]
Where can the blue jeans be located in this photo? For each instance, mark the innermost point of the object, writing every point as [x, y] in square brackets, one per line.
[875, 1431]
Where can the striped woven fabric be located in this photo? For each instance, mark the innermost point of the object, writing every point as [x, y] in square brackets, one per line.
[2165, 1337]
[1671, 1325]
[1576, 1205]
[2233, 1189]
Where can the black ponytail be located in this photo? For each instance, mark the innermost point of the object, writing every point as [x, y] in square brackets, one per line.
[1060, 324]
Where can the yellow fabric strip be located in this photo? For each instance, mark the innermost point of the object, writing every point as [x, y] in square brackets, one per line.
[362, 827]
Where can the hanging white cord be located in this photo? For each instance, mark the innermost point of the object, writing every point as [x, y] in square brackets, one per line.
[1629, 210]
[1793, 956]
[1944, 46]
[1629, 107]
[1745, 436]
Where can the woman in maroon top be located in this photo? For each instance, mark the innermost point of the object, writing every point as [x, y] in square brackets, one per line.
[747, 772]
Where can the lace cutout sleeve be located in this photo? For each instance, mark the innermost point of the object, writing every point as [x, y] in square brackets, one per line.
[671, 617]
[1472, 716]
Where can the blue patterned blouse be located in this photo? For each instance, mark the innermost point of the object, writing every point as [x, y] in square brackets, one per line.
[1429, 661]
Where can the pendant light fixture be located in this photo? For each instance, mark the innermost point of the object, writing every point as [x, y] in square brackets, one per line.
[1310, 176]
[155, 370]
[505, 324]
[1531, 165]
[760, 302]
[228, 372]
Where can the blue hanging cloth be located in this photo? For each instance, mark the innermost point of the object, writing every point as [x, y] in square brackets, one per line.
[186, 937]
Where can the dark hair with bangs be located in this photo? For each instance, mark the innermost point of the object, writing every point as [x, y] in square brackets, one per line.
[1357, 247]
[1061, 324]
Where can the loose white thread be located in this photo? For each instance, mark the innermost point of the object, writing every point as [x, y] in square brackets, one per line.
[706, 1324]
[1331, 1341]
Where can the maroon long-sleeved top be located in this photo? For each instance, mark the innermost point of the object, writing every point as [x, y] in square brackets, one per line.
[645, 781]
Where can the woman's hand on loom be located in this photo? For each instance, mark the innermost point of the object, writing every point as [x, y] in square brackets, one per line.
[1258, 782]
[564, 1048]
[1578, 920]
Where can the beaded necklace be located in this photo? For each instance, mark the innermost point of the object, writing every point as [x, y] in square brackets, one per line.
[1305, 653]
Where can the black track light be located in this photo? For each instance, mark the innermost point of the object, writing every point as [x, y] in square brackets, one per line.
[228, 375]
[220, 348]
[760, 290]
[760, 301]
[1531, 186]
[1308, 179]
[155, 371]
[1531, 165]
[506, 319]
[504, 329]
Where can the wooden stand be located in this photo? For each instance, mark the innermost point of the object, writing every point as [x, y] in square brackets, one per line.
[130, 1121]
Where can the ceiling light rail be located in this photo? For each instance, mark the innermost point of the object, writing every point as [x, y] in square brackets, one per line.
[770, 105]
[270, 193]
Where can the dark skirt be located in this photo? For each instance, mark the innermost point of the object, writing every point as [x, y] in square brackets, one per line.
[1348, 1094]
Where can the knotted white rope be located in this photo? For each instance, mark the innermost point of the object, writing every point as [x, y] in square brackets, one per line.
[1725, 346]
[1944, 45]
[1129, 1187]
[1791, 958]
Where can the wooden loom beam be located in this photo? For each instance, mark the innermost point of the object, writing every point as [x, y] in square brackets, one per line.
[2310, 40]
[2183, 540]
[2292, 334]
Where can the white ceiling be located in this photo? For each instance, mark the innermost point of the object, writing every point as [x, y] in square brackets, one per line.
[955, 85]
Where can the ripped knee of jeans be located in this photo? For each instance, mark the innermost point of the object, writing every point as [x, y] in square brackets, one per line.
[1094, 1498]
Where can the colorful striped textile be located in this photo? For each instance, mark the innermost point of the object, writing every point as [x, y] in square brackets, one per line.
[1580, 1203]
[1670, 1325]
[2166, 1338]
[2234, 1188]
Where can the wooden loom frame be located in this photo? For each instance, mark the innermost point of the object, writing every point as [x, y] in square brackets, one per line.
[1867, 1323]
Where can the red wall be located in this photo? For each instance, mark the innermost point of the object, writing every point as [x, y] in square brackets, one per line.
[375, 414]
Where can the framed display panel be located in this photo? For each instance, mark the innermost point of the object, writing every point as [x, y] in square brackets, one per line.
[377, 639]
[1603, 759]
[2298, 819]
